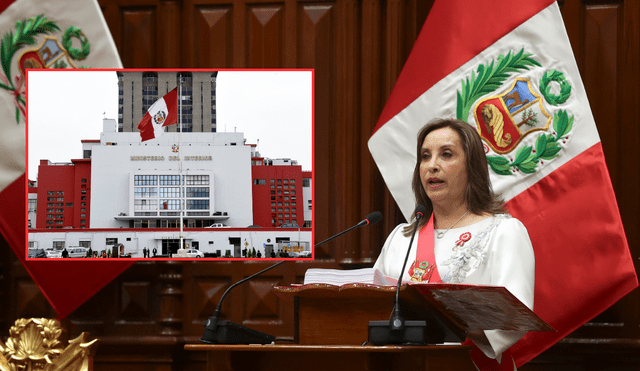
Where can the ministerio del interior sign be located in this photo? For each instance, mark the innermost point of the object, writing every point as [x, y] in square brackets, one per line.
[171, 158]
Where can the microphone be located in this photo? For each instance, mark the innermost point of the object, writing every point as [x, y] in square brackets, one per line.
[226, 332]
[397, 330]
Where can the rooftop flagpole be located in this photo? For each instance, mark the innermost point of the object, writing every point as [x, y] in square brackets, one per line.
[180, 180]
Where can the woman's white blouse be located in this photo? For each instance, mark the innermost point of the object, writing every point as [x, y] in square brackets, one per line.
[499, 253]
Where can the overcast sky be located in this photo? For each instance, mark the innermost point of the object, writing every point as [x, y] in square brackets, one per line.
[65, 107]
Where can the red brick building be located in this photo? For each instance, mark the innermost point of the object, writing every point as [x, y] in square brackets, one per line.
[64, 193]
[277, 192]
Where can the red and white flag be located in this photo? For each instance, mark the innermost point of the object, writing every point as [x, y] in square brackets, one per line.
[162, 113]
[519, 76]
[46, 34]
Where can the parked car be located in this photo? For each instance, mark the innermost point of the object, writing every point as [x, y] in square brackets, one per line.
[216, 225]
[194, 253]
[36, 253]
[53, 253]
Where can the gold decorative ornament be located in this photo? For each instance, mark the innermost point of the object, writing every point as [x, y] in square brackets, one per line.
[33, 345]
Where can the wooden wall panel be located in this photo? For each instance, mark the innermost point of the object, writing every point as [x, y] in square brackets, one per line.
[139, 37]
[357, 48]
[604, 37]
[213, 24]
[264, 36]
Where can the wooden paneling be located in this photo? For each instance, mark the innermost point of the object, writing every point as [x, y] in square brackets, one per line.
[604, 38]
[357, 48]
[138, 30]
[213, 46]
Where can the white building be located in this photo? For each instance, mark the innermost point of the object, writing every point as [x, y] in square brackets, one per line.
[136, 197]
[137, 182]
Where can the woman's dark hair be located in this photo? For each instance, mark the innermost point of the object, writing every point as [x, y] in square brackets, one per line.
[479, 194]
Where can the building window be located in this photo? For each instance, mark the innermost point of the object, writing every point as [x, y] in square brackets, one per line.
[149, 90]
[170, 204]
[197, 191]
[169, 192]
[259, 181]
[145, 192]
[50, 193]
[145, 204]
[197, 180]
[51, 198]
[50, 204]
[84, 180]
[186, 97]
[58, 245]
[145, 180]
[69, 204]
[306, 182]
[50, 216]
[197, 204]
[111, 241]
[59, 210]
[83, 198]
[59, 204]
[32, 205]
[60, 193]
[169, 179]
[59, 198]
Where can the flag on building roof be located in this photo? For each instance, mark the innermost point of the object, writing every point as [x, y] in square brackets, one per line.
[162, 113]
[548, 161]
[46, 34]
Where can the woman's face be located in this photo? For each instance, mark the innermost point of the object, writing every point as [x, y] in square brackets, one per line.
[443, 169]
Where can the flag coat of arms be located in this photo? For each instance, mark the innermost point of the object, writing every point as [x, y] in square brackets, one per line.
[163, 112]
[518, 84]
[46, 34]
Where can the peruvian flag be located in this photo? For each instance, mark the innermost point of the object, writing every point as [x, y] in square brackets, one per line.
[517, 82]
[162, 113]
[85, 20]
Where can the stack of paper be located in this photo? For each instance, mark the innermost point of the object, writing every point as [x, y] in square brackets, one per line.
[339, 277]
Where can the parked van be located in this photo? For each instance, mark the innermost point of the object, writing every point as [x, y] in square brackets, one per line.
[77, 252]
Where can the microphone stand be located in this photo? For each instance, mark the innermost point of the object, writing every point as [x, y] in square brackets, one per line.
[396, 330]
[218, 331]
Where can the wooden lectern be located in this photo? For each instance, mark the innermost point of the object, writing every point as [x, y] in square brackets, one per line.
[331, 325]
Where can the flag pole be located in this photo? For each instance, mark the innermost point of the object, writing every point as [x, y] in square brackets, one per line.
[180, 166]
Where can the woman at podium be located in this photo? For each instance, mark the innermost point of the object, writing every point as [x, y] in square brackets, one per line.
[466, 236]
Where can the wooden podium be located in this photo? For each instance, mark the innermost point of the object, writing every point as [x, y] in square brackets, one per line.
[335, 357]
[331, 325]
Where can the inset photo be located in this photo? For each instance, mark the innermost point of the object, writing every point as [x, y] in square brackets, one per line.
[170, 164]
